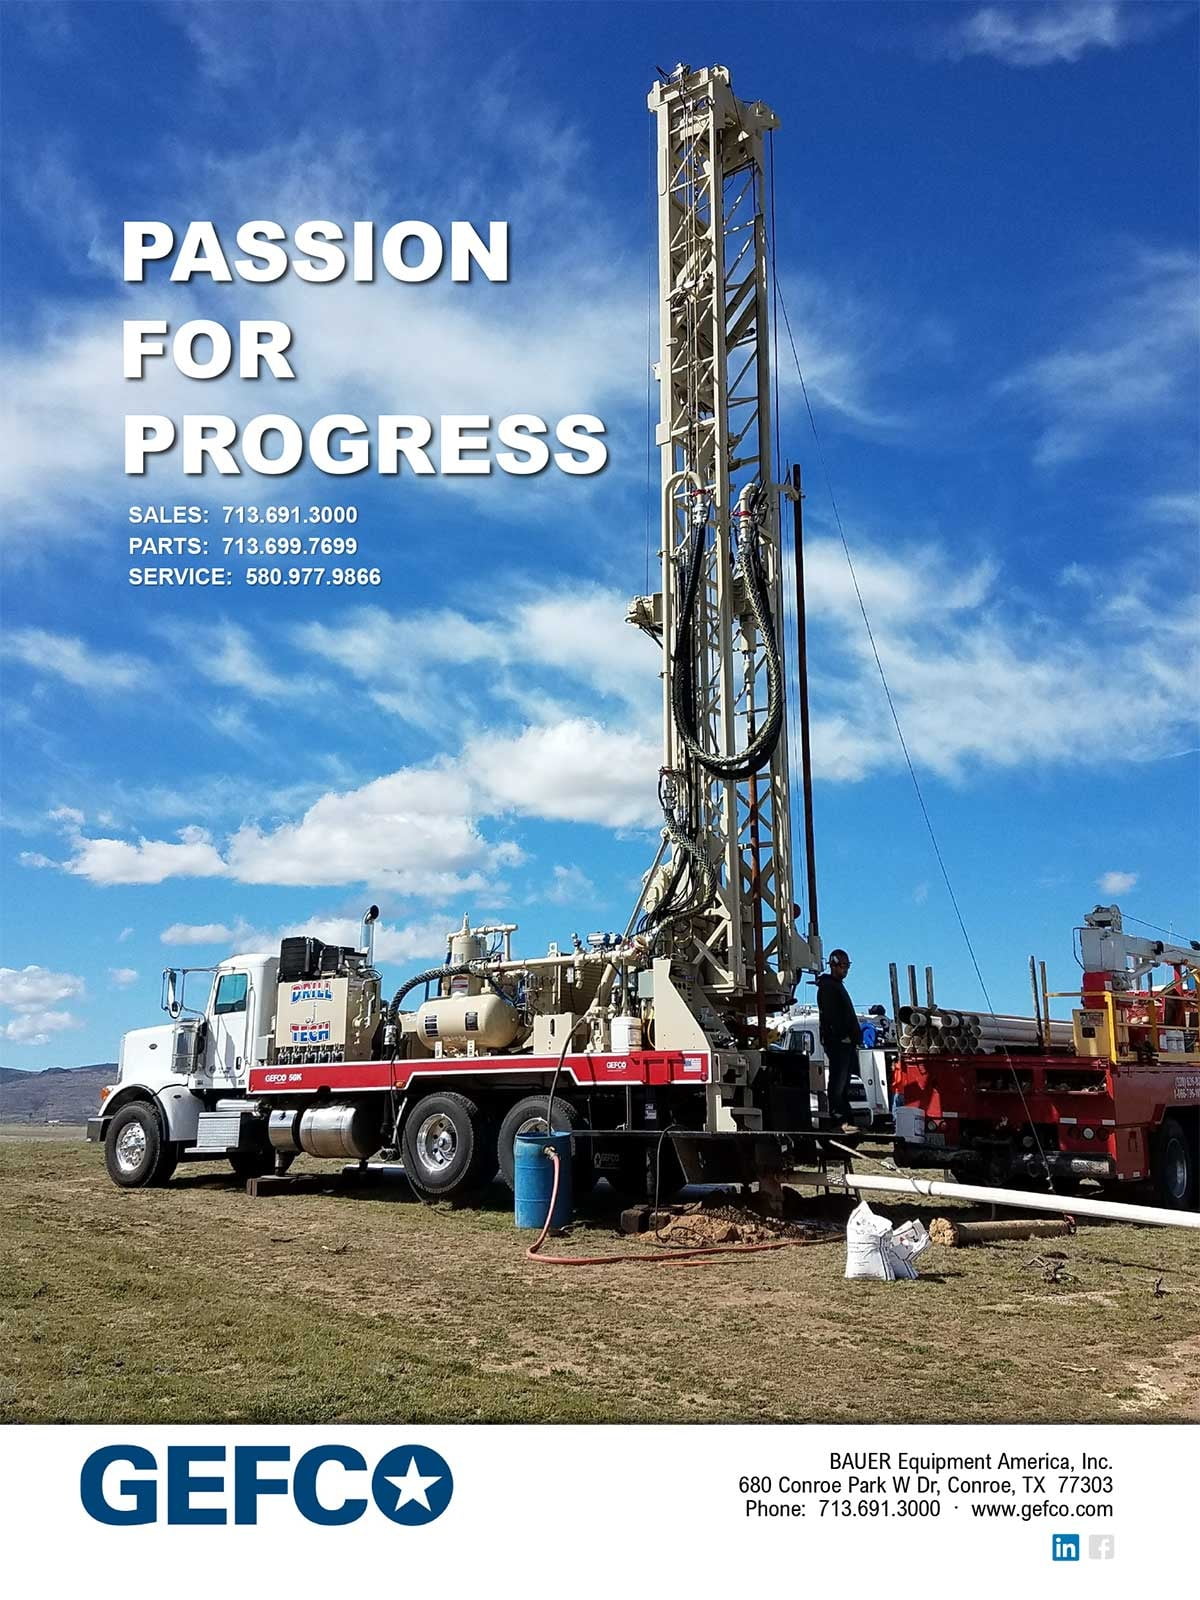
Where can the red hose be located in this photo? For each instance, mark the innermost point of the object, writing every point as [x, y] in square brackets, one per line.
[642, 1261]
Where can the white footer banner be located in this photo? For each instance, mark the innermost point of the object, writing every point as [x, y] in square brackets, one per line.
[707, 1508]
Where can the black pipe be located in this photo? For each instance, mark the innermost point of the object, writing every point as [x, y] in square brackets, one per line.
[810, 844]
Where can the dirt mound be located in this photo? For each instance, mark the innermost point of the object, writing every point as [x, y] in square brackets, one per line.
[728, 1224]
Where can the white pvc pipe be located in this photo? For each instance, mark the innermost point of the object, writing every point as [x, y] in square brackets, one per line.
[1114, 1210]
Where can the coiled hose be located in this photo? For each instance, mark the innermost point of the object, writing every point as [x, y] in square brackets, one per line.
[756, 755]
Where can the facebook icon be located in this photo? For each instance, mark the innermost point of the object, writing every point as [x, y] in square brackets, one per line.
[1065, 1547]
[1101, 1546]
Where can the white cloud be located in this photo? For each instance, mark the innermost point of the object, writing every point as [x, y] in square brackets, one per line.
[574, 770]
[125, 933]
[35, 858]
[1116, 882]
[569, 886]
[71, 659]
[32, 993]
[123, 976]
[1039, 35]
[147, 860]
[198, 933]
[1135, 364]
[36, 1027]
[29, 988]
[411, 831]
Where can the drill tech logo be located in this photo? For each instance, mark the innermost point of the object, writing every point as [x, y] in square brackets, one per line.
[311, 1032]
[302, 993]
[122, 1485]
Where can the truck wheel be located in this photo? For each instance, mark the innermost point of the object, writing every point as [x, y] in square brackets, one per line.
[137, 1152]
[1173, 1167]
[529, 1116]
[445, 1147]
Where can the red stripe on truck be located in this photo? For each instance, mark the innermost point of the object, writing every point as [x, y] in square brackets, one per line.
[590, 1071]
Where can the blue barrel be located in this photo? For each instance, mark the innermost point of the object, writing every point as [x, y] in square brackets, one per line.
[533, 1179]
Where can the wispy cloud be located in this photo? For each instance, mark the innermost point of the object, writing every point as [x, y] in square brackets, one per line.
[230, 659]
[983, 681]
[1180, 510]
[1135, 363]
[64, 656]
[849, 344]
[1045, 33]
[569, 886]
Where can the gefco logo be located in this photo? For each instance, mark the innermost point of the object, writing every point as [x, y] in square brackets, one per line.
[311, 1032]
[302, 993]
[124, 1486]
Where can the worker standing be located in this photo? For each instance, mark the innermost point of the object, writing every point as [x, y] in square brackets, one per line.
[840, 1035]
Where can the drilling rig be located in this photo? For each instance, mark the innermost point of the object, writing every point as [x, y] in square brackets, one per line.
[665, 1026]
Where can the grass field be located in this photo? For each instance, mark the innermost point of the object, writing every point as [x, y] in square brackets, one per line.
[194, 1303]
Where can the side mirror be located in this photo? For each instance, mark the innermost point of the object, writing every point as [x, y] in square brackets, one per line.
[174, 1006]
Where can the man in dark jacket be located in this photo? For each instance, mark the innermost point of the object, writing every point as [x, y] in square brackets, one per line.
[840, 1035]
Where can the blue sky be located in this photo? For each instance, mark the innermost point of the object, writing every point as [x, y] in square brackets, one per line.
[987, 246]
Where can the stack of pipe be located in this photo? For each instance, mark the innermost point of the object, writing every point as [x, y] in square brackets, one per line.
[934, 1031]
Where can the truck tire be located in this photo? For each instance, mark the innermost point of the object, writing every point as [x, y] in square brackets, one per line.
[137, 1152]
[1173, 1166]
[529, 1116]
[445, 1146]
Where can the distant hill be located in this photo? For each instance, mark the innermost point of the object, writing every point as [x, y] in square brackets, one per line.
[59, 1094]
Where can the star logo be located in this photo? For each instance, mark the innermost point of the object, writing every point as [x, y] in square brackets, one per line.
[412, 1485]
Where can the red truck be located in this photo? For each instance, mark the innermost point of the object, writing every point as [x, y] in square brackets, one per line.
[1113, 1095]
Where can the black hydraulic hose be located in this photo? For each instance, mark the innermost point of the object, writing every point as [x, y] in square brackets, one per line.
[703, 885]
[562, 1056]
[474, 969]
[758, 752]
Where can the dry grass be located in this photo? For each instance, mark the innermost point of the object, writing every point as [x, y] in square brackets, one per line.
[194, 1303]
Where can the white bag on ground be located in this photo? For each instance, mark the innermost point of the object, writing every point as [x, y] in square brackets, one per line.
[875, 1250]
[909, 1240]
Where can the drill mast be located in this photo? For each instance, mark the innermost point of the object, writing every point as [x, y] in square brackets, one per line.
[725, 893]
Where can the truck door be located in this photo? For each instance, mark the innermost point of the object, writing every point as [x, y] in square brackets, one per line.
[228, 1029]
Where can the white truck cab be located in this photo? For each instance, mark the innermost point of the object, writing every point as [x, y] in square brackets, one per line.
[167, 1076]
